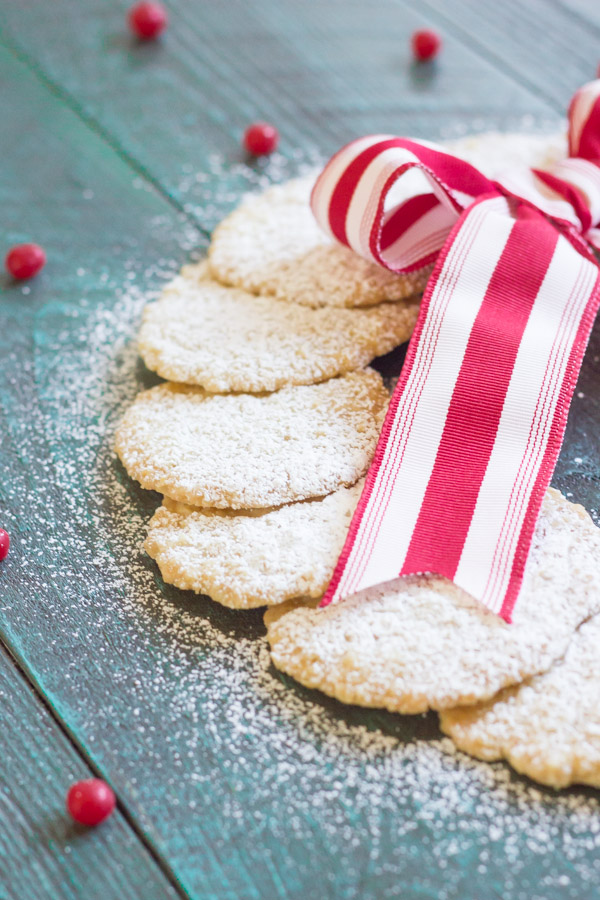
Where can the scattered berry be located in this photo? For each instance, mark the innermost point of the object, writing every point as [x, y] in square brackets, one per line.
[4, 544]
[91, 801]
[261, 138]
[24, 260]
[147, 20]
[426, 44]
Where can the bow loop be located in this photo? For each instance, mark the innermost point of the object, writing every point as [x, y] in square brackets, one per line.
[395, 200]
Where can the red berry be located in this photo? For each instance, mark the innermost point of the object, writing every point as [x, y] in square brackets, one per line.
[91, 801]
[4, 544]
[261, 138]
[147, 20]
[24, 260]
[425, 44]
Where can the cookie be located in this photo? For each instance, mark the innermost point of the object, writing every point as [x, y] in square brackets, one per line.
[272, 245]
[252, 451]
[420, 642]
[226, 339]
[547, 728]
[245, 560]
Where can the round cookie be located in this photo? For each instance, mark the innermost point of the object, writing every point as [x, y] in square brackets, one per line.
[271, 244]
[421, 642]
[225, 339]
[251, 451]
[547, 728]
[249, 559]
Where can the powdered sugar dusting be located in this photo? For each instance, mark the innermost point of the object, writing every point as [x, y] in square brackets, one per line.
[221, 758]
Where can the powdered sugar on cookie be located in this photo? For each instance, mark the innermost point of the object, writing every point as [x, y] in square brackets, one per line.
[245, 560]
[225, 339]
[243, 451]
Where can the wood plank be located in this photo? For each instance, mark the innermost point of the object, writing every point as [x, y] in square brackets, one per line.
[249, 786]
[541, 44]
[324, 73]
[43, 853]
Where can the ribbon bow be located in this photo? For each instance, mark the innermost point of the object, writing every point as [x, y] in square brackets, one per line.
[476, 421]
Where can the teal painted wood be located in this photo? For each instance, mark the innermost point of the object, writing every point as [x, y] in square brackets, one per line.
[585, 10]
[247, 785]
[549, 45]
[43, 854]
[323, 72]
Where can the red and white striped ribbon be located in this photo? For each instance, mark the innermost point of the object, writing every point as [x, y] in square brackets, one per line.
[476, 422]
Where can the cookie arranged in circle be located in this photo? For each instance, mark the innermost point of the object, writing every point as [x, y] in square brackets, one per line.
[255, 558]
[225, 339]
[547, 728]
[272, 245]
[252, 451]
[421, 643]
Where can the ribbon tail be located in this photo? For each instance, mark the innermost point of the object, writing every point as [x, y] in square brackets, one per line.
[476, 422]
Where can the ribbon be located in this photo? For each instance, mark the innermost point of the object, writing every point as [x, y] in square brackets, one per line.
[476, 421]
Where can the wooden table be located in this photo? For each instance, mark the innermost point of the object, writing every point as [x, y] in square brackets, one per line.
[233, 782]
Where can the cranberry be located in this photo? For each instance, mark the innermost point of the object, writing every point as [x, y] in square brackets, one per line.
[426, 44]
[147, 20]
[91, 801]
[261, 138]
[25, 260]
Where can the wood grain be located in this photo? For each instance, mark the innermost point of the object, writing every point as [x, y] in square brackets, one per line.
[43, 853]
[246, 785]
